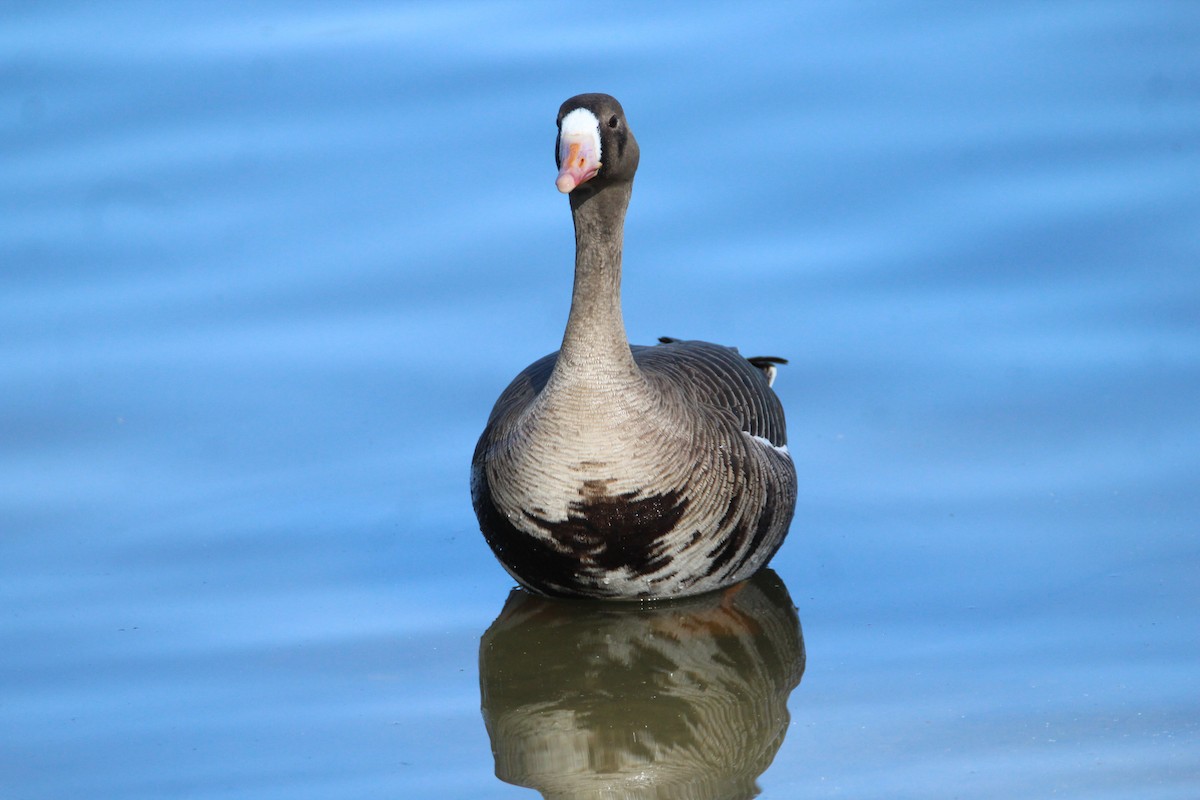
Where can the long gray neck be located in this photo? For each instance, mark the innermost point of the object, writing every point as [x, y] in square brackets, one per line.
[594, 345]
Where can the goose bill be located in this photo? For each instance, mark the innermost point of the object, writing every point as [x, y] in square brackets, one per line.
[579, 159]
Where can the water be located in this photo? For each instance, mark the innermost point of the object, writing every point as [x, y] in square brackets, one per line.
[266, 268]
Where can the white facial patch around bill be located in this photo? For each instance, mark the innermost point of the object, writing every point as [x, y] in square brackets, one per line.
[582, 124]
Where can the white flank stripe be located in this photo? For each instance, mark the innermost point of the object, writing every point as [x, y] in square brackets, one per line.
[782, 448]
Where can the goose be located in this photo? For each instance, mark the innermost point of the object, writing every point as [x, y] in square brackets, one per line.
[613, 471]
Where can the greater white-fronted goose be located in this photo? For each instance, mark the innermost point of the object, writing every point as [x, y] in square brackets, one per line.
[617, 471]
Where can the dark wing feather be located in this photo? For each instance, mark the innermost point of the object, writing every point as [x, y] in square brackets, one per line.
[719, 377]
[523, 388]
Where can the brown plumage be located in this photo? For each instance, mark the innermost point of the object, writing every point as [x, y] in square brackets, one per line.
[607, 470]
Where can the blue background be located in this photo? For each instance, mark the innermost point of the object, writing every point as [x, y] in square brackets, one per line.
[266, 266]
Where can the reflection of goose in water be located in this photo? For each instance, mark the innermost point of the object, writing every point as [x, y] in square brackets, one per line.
[686, 699]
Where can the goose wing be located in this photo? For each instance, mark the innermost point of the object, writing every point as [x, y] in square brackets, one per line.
[719, 377]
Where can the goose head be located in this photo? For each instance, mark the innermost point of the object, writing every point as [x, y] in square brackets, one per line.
[595, 147]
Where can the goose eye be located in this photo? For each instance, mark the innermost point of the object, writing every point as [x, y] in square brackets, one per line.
[612, 121]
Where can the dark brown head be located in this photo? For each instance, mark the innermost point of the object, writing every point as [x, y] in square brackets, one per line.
[595, 146]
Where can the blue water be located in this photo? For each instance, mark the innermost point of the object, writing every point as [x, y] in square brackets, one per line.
[266, 267]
